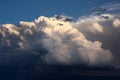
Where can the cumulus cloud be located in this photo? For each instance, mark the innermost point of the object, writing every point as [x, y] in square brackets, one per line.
[107, 32]
[67, 45]
[59, 40]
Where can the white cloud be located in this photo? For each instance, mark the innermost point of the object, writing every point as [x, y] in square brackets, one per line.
[109, 34]
[116, 23]
[65, 41]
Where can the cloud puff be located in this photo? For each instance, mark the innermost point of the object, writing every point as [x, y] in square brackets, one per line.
[107, 33]
[57, 41]
[67, 45]
[116, 23]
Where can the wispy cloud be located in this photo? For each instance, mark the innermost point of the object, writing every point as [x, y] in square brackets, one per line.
[108, 7]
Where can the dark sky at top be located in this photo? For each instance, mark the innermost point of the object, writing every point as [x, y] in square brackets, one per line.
[13, 11]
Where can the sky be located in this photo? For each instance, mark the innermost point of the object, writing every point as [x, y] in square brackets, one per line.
[59, 39]
[13, 11]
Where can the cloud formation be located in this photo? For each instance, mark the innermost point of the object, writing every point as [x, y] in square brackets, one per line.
[58, 40]
[111, 7]
[107, 32]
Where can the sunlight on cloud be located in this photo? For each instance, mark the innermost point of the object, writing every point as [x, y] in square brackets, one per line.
[91, 40]
[67, 42]
[116, 23]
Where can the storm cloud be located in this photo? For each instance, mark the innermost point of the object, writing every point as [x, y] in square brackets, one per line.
[91, 41]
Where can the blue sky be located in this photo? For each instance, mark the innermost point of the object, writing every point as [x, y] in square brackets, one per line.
[13, 11]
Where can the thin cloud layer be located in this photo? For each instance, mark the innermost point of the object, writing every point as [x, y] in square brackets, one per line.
[111, 7]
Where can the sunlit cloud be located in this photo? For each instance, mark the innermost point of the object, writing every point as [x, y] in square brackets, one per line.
[91, 40]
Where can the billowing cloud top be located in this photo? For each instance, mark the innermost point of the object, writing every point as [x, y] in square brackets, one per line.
[91, 40]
